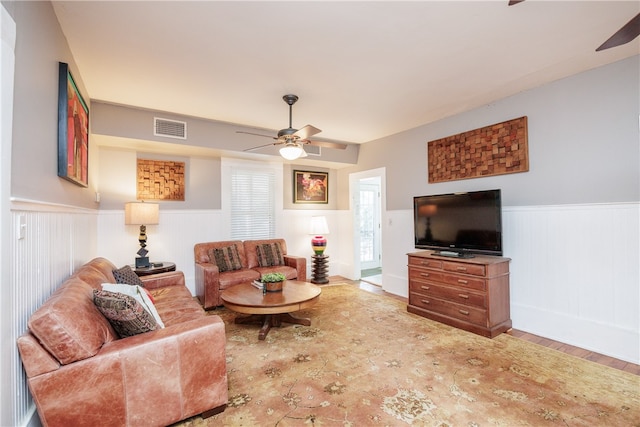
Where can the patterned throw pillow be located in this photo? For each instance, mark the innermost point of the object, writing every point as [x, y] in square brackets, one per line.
[270, 254]
[127, 276]
[226, 258]
[126, 315]
[142, 295]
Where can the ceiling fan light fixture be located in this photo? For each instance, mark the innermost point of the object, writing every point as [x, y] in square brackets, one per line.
[291, 151]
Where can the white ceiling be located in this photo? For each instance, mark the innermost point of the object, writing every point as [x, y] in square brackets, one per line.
[362, 70]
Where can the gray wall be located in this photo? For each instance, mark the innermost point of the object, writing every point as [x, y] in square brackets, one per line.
[35, 127]
[583, 144]
[56, 242]
[122, 130]
[117, 179]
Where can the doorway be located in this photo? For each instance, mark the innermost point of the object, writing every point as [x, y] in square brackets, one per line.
[367, 196]
[369, 228]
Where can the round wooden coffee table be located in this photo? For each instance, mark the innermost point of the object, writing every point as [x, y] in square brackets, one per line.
[271, 308]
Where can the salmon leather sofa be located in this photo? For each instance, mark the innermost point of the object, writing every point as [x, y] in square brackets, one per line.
[219, 265]
[81, 372]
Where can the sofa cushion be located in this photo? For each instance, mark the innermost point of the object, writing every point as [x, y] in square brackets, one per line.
[175, 304]
[69, 325]
[126, 275]
[230, 278]
[226, 258]
[270, 254]
[141, 295]
[289, 272]
[201, 251]
[127, 316]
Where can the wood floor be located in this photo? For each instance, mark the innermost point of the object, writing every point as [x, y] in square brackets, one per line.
[565, 348]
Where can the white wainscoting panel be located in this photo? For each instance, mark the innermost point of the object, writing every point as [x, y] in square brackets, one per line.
[57, 240]
[575, 274]
[171, 240]
[397, 242]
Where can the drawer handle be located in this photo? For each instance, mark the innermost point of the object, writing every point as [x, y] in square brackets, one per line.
[465, 312]
[426, 288]
[464, 282]
[463, 296]
[461, 268]
[424, 301]
[425, 263]
[424, 274]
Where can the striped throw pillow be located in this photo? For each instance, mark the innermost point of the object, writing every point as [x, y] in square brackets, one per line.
[226, 258]
[270, 254]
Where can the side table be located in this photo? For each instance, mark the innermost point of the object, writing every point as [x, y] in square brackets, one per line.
[154, 268]
[319, 269]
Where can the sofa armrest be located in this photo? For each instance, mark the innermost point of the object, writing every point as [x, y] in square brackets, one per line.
[161, 280]
[35, 359]
[155, 378]
[207, 277]
[299, 263]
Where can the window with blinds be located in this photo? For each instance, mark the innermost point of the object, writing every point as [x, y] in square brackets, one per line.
[252, 203]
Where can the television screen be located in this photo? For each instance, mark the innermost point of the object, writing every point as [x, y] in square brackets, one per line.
[460, 224]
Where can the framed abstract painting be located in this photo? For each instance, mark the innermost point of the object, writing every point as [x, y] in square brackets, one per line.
[73, 130]
[310, 187]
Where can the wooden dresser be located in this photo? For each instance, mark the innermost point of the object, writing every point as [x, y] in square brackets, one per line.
[468, 293]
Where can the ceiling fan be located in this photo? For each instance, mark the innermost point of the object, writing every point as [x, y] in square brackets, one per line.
[624, 35]
[294, 139]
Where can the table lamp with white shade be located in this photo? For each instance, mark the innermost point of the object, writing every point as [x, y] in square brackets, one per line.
[142, 214]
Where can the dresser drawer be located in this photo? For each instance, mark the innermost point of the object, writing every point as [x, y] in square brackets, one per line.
[474, 315]
[474, 269]
[469, 282]
[425, 262]
[461, 296]
[424, 274]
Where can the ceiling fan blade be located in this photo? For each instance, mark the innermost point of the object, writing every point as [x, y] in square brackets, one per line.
[307, 131]
[514, 2]
[630, 31]
[326, 144]
[262, 146]
[256, 134]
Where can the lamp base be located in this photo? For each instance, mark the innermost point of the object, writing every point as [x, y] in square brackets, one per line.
[318, 244]
[142, 262]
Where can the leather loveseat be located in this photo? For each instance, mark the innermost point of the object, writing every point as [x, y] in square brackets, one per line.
[80, 373]
[212, 278]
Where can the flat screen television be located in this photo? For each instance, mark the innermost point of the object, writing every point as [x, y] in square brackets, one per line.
[459, 224]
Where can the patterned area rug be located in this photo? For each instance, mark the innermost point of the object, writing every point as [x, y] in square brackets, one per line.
[365, 361]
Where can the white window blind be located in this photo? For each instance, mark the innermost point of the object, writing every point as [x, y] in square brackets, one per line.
[252, 203]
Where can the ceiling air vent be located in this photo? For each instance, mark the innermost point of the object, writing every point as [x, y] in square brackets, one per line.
[169, 128]
[312, 150]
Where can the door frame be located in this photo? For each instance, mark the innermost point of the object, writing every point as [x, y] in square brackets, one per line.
[371, 184]
[354, 194]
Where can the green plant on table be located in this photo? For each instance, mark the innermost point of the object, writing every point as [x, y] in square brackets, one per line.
[272, 277]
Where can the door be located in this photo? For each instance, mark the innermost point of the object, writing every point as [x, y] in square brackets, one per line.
[369, 226]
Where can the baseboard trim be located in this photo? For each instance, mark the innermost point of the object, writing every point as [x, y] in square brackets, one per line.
[609, 340]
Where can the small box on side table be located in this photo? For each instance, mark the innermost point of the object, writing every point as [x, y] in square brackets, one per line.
[154, 268]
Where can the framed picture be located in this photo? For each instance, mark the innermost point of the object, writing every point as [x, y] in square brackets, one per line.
[73, 130]
[310, 187]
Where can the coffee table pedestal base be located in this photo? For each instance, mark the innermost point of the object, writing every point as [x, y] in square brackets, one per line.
[270, 320]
